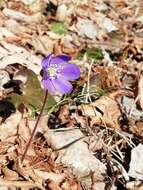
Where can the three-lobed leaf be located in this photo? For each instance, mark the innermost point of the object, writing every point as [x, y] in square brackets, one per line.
[32, 95]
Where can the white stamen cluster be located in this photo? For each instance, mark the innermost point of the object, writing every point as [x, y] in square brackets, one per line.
[54, 70]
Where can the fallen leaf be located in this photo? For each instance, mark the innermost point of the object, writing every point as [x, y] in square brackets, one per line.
[136, 163]
[21, 16]
[42, 44]
[11, 54]
[32, 87]
[9, 174]
[104, 110]
[9, 127]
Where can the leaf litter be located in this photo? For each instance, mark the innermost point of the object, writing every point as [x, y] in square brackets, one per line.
[92, 138]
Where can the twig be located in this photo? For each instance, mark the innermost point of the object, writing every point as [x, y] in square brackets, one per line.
[35, 127]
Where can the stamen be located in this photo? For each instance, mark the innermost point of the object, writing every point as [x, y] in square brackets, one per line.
[54, 70]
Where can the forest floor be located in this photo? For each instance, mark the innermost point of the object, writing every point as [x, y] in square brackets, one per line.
[92, 138]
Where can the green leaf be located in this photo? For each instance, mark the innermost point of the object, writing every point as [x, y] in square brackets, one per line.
[32, 94]
[100, 92]
[58, 28]
[92, 53]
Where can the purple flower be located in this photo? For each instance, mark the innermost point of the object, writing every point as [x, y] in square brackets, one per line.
[57, 73]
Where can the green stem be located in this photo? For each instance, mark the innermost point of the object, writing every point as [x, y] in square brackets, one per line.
[34, 129]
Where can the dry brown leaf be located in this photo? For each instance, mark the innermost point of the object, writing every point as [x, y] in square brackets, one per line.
[74, 185]
[64, 113]
[31, 19]
[42, 44]
[13, 39]
[9, 174]
[27, 171]
[105, 78]
[80, 119]
[58, 178]
[11, 54]
[53, 186]
[140, 91]
[136, 127]
[21, 184]
[104, 110]
[9, 128]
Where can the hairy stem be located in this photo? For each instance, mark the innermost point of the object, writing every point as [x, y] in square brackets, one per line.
[35, 127]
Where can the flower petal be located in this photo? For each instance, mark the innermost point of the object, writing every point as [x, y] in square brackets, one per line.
[60, 59]
[62, 86]
[70, 72]
[65, 57]
[48, 85]
[46, 61]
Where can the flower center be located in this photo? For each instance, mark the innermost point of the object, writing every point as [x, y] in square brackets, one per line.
[52, 71]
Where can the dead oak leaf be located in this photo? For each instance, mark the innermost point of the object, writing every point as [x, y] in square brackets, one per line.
[105, 110]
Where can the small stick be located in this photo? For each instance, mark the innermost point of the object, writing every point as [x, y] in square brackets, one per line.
[34, 129]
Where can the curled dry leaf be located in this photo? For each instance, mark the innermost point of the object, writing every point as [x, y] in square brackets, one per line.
[21, 16]
[64, 113]
[9, 174]
[105, 78]
[42, 44]
[104, 110]
[10, 54]
[9, 128]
